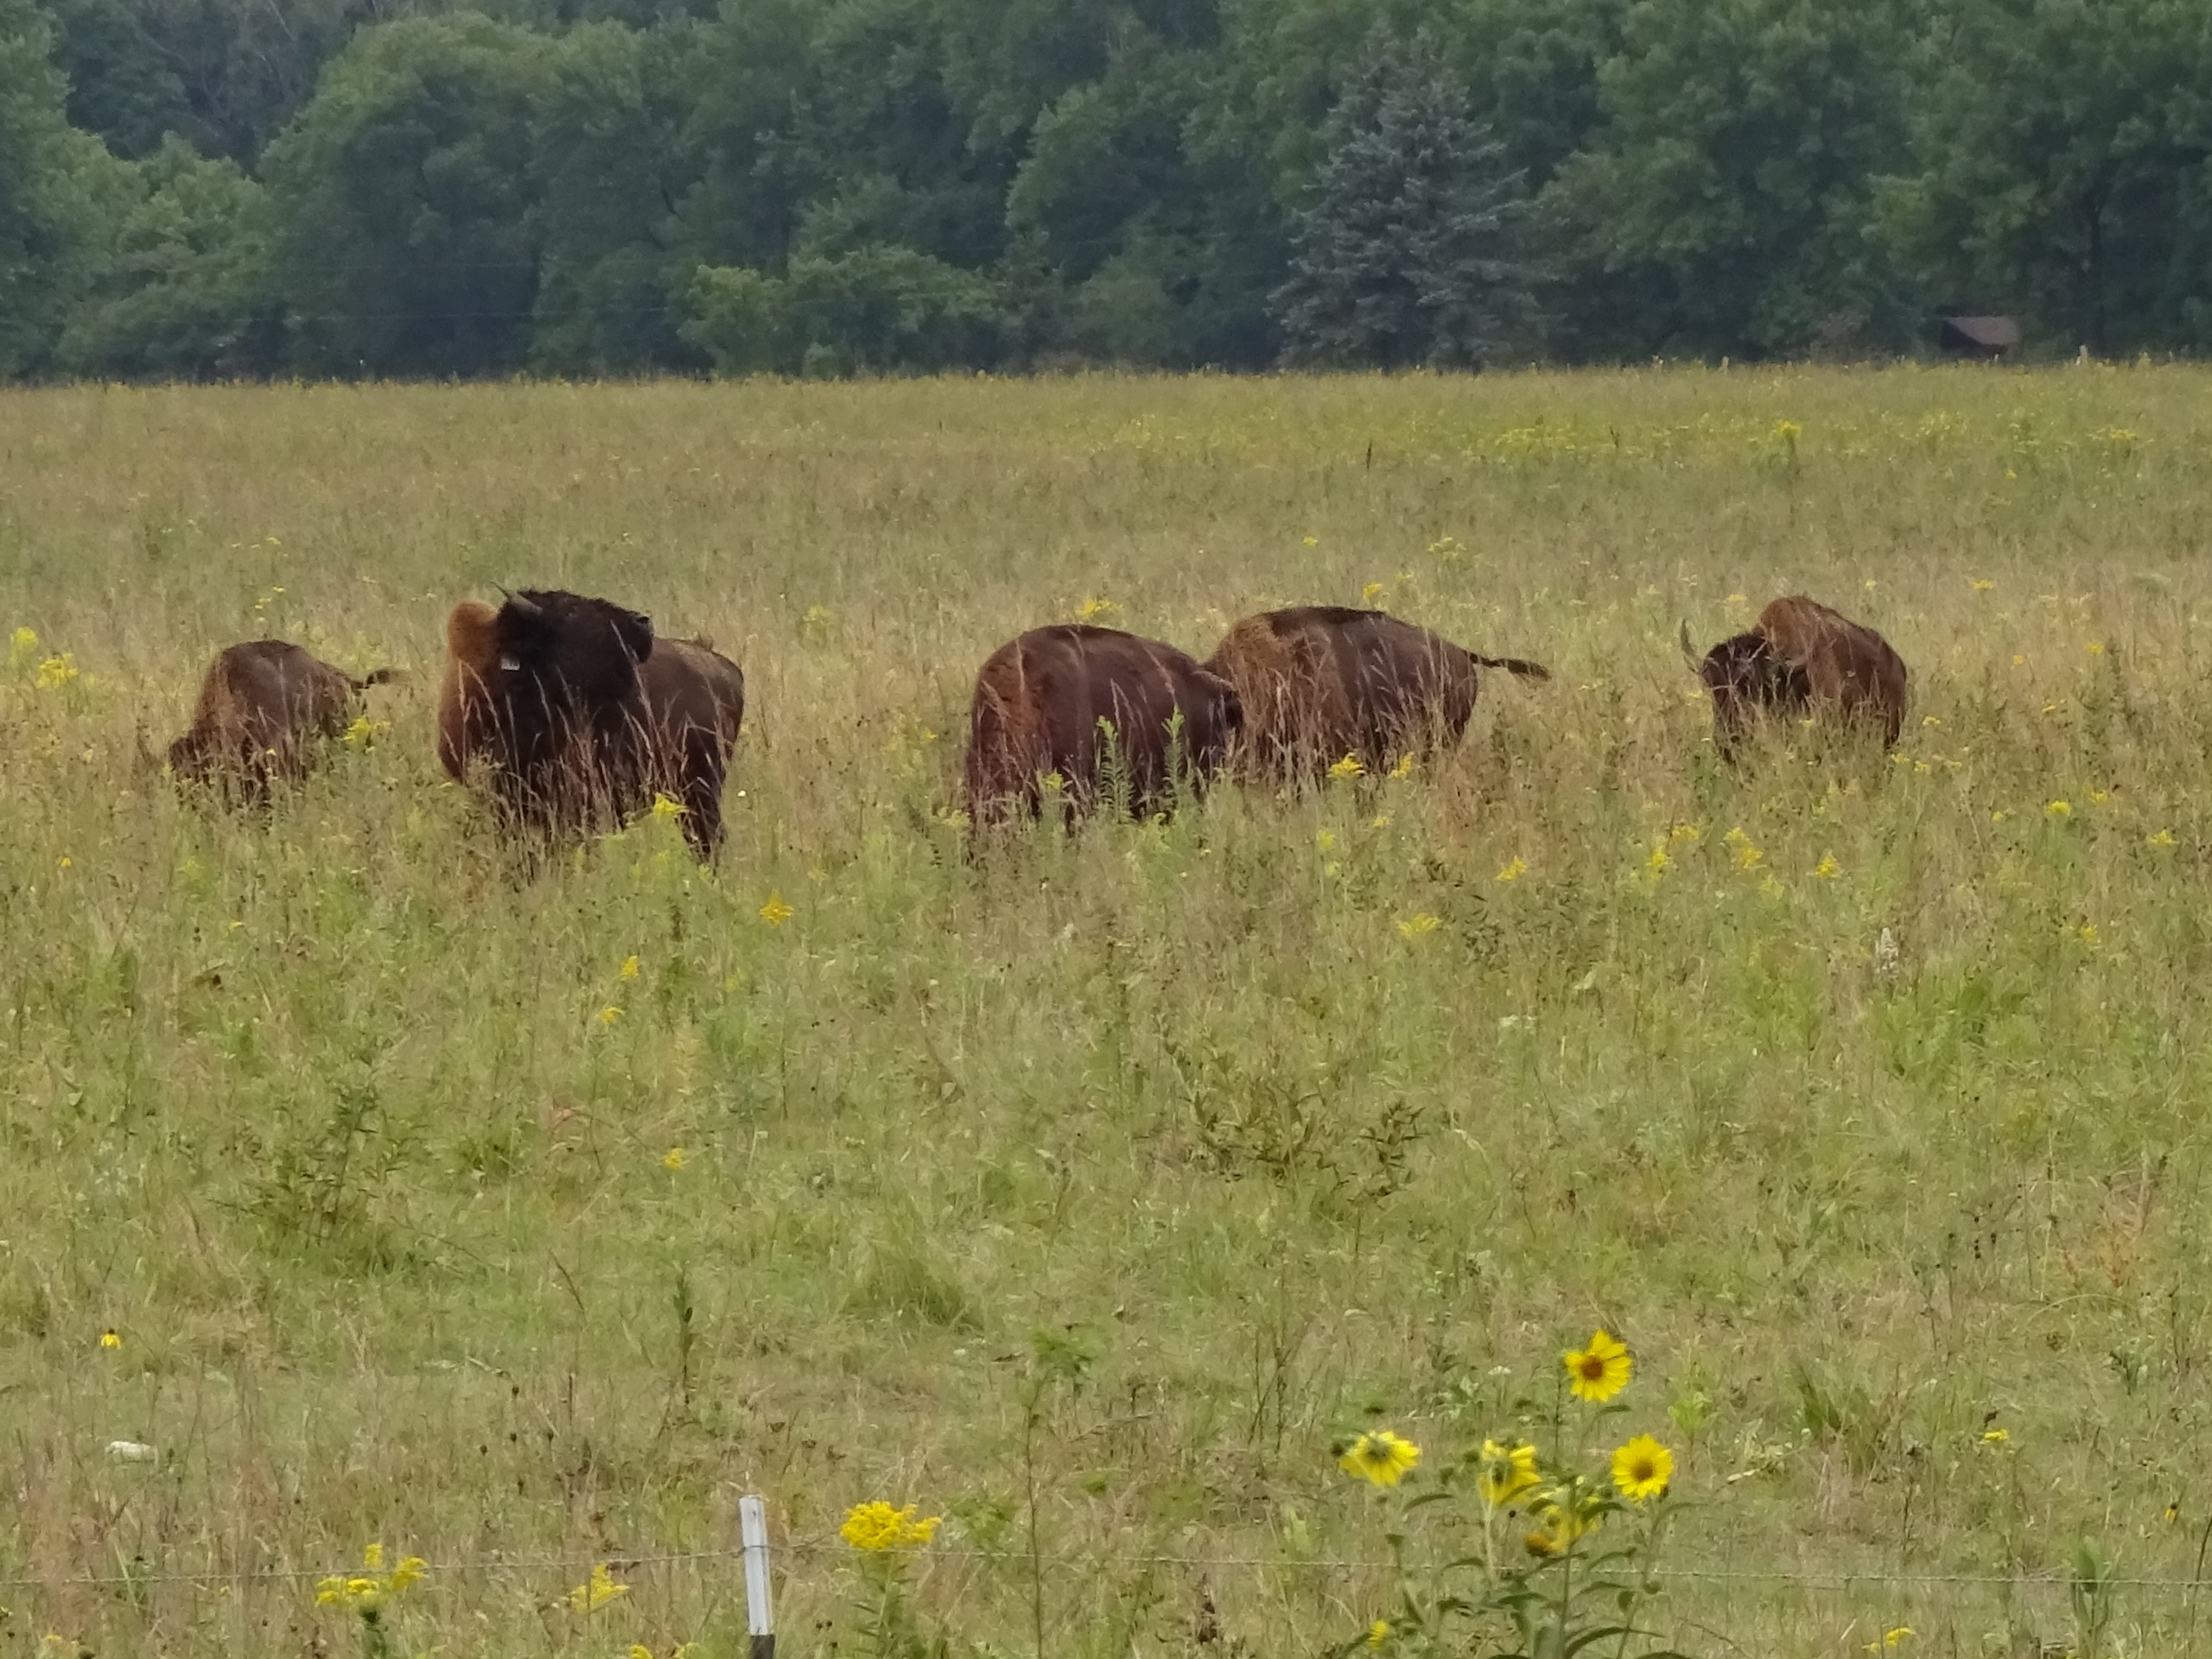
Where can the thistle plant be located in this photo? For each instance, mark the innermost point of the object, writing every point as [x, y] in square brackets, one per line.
[885, 1542]
[367, 1593]
[1569, 1535]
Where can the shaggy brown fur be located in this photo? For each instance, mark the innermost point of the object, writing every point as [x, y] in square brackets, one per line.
[264, 707]
[576, 715]
[1802, 659]
[1322, 682]
[1040, 703]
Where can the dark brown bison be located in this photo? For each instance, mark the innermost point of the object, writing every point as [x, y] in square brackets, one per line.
[1322, 682]
[576, 714]
[1802, 660]
[1094, 705]
[265, 706]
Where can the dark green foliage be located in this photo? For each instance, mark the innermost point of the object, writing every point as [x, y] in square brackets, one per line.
[404, 196]
[1409, 254]
[187, 290]
[434, 187]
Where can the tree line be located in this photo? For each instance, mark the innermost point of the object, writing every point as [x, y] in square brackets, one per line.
[221, 188]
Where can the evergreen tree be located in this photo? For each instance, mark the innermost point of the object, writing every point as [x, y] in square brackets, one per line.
[1409, 252]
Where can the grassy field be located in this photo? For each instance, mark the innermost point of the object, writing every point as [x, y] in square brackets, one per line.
[522, 1223]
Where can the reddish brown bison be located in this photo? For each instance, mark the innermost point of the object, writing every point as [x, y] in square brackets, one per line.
[1800, 660]
[1096, 707]
[263, 708]
[1322, 682]
[576, 714]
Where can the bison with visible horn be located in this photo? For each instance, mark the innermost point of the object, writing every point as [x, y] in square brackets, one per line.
[1090, 705]
[1800, 660]
[1320, 682]
[263, 706]
[575, 714]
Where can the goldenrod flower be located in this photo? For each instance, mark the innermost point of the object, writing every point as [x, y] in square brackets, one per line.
[667, 806]
[1380, 1458]
[2163, 838]
[1828, 869]
[1513, 871]
[1325, 840]
[2099, 797]
[596, 1591]
[876, 1527]
[1095, 610]
[1504, 1472]
[1404, 768]
[1349, 766]
[1658, 860]
[1685, 832]
[110, 1340]
[24, 645]
[1378, 1632]
[1600, 1370]
[1642, 1468]
[1371, 592]
[1414, 926]
[2059, 809]
[57, 672]
[775, 912]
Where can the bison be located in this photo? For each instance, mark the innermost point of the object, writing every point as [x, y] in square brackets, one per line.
[577, 714]
[264, 707]
[1085, 704]
[1802, 660]
[1322, 682]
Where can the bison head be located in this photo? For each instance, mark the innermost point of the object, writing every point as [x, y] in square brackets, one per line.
[1746, 677]
[543, 692]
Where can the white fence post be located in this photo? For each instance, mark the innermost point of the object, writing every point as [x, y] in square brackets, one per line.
[760, 1613]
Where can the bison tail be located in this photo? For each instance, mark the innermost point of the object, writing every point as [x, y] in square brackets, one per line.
[1688, 650]
[1520, 665]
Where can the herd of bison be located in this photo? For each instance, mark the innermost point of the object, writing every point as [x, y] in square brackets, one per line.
[570, 713]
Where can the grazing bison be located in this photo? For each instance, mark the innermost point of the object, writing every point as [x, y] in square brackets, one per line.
[264, 707]
[1802, 660]
[1320, 682]
[1042, 701]
[577, 714]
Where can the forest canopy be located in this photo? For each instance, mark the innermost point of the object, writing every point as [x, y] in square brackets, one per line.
[207, 189]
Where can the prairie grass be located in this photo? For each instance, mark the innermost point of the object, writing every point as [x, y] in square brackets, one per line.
[420, 1220]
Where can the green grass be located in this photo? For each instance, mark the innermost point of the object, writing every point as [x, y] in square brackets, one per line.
[328, 1115]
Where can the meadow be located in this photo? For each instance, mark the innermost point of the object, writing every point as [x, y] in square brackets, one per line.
[374, 1188]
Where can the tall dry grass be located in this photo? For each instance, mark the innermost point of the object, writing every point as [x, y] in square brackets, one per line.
[359, 1138]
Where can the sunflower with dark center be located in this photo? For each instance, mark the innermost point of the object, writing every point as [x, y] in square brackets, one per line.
[1600, 1370]
[1642, 1468]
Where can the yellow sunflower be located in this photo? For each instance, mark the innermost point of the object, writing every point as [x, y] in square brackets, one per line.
[1380, 1458]
[1600, 1370]
[1642, 1468]
[1563, 1518]
[1505, 1472]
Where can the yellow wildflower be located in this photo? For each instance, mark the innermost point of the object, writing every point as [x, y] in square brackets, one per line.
[1371, 592]
[1414, 926]
[56, 672]
[1349, 766]
[2098, 797]
[775, 912]
[1600, 1370]
[24, 645]
[673, 1159]
[1738, 599]
[610, 1014]
[877, 1526]
[1658, 860]
[2096, 647]
[2059, 809]
[364, 732]
[1982, 584]
[1378, 1632]
[1513, 871]
[2163, 838]
[1785, 432]
[1404, 768]
[1642, 1468]
[110, 1340]
[1828, 869]
[1685, 832]
[1096, 610]
[667, 806]
[629, 967]
[1565, 1518]
[1380, 1458]
[1325, 840]
[1995, 1437]
[1505, 1472]
[596, 1591]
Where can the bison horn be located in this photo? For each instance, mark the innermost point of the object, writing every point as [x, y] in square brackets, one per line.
[524, 604]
